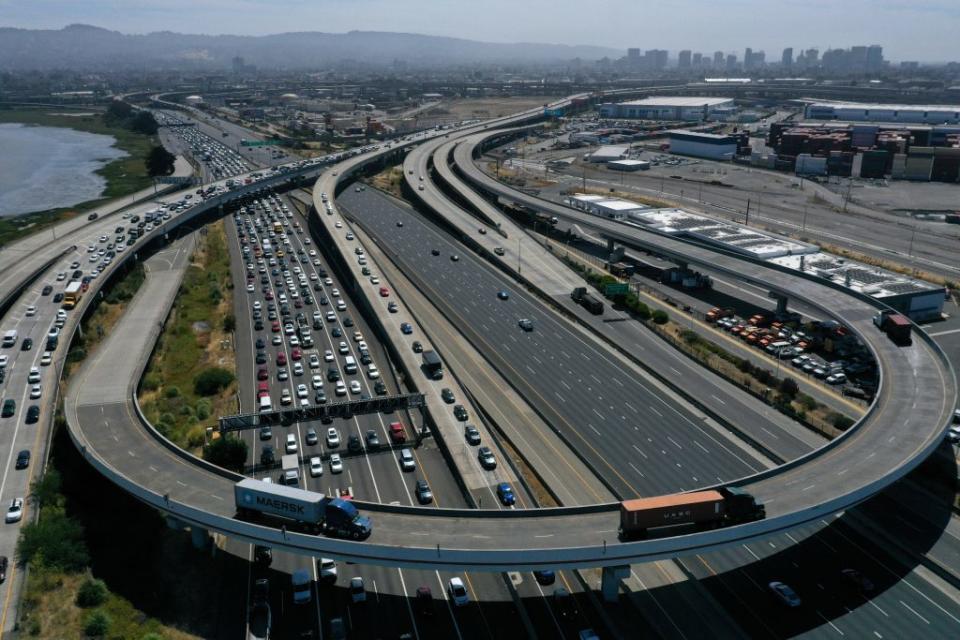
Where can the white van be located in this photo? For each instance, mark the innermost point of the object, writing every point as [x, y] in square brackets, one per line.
[265, 404]
[10, 338]
[350, 364]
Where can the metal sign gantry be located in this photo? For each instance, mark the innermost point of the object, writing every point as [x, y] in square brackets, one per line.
[384, 404]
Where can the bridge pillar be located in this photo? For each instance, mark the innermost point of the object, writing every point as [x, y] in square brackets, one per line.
[200, 537]
[782, 302]
[610, 581]
[173, 523]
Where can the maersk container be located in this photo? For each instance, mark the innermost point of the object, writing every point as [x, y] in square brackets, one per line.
[254, 495]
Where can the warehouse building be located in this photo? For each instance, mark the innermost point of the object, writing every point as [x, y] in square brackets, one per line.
[703, 145]
[611, 208]
[862, 112]
[628, 165]
[666, 108]
[606, 154]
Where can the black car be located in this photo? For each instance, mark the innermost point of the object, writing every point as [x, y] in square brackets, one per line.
[261, 343]
[435, 252]
[33, 414]
[23, 459]
[336, 333]
[365, 357]
[9, 408]
[486, 458]
[258, 325]
[447, 395]
[267, 456]
[262, 555]
[321, 397]
[47, 290]
[424, 600]
[77, 274]
[266, 433]
[545, 577]
[380, 388]
[58, 298]
[3, 568]
[261, 357]
[472, 435]
[417, 347]
[424, 495]
[373, 440]
[460, 412]
[353, 444]
[27, 344]
[348, 321]
[333, 374]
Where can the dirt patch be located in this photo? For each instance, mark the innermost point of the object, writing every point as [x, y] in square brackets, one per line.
[484, 108]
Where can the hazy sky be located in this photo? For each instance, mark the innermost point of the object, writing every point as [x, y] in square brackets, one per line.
[909, 29]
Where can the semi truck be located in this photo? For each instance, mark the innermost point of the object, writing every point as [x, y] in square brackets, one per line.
[897, 326]
[313, 511]
[587, 301]
[72, 294]
[432, 365]
[706, 509]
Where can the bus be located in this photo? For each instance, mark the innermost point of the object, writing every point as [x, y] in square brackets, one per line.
[72, 294]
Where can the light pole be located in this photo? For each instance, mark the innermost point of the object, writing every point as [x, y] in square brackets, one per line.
[912, 236]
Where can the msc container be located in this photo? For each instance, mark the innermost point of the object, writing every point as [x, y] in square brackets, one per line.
[636, 516]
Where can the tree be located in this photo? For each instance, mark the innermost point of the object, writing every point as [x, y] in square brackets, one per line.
[660, 316]
[230, 453]
[229, 323]
[789, 387]
[211, 381]
[45, 490]
[144, 123]
[57, 538]
[117, 112]
[160, 162]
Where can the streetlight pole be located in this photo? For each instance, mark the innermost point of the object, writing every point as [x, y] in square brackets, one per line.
[912, 236]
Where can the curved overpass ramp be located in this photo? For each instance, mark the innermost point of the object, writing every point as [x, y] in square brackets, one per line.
[905, 424]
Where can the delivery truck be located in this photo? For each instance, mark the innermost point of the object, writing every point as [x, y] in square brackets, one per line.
[897, 327]
[72, 294]
[312, 511]
[290, 463]
[589, 302]
[705, 509]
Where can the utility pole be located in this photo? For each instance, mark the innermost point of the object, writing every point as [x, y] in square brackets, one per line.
[912, 236]
[746, 222]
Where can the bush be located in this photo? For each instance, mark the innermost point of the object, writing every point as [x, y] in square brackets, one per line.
[229, 323]
[789, 387]
[76, 355]
[841, 421]
[45, 490]
[807, 402]
[151, 382]
[660, 316]
[171, 392]
[763, 376]
[745, 366]
[230, 453]
[97, 624]
[92, 593]
[203, 409]
[211, 381]
[58, 538]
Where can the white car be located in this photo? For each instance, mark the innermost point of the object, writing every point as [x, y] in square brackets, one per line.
[314, 361]
[45, 359]
[276, 340]
[341, 388]
[343, 348]
[251, 288]
[333, 438]
[297, 369]
[61, 276]
[317, 382]
[316, 467]
[374, 280]
[338, 224]
[35, 392]
[15, 510]
[328, 569]
[336, 464]
[357, 336]
[836, 378]
[354, 387]
[285, 397]
[335, 293]
[34, 375]
[291, 446]
[372, 372]
[458, 592]
[328, 355]
[4, 360]
[31, 311]
[302, 390]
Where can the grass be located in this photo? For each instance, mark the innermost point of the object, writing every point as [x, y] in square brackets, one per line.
[193, 340]
[389, 180]
[124, 176]
[152, 573]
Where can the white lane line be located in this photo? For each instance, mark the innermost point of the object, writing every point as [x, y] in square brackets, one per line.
[914, 611]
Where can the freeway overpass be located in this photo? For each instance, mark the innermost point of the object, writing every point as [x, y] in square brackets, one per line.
[906, 422]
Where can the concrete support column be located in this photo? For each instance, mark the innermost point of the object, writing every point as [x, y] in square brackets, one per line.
[610, 581]
[200, 537]
[782, 302]
[173, 523]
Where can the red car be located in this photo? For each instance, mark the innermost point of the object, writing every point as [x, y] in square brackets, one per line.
[384, 292]
[296, 354]
[275, 326]
[263, 374]
[268, 295]
[397, 432]
[281, 359]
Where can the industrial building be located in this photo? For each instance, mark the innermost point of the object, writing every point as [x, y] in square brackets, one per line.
[606, 154]
[628, 165]
[612, 208]
[703, 145]
[905, 113]
[666, 108]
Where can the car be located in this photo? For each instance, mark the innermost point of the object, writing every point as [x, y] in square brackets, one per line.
[498, 250]
[455, 258]
[563, 602]
[486, 458]
[406, 328]
[15, 510]
[23, 459]
[266, 433]
[435, 252]
[46, 358]
[380, 388]
[343, 348]
[460, 413]
[31, 311]
[27, 344]
[353, 444]
[836, 378]
[4, 563]
[545, 577]
[35, 392]
[33, 414]
[471, 434]
[587, 634]
[333, 438]
[291, 446]
[373, 440]
[424, 494]
[336, 463]
[406, 459]
[505, 494]
[525, 324]
[392, 307]
[857, 580]
[302, 391]
[482, 231]
[47, 290]
[399, 223]
[283, 374]
[458, 593]
[314, 361]
[316, 467]
[372, 372]
[423, 601]
[417, 346]
[358, 592]
[355, 387]
[327, 570]
[447, 395]
[397, 433]
[503, 294]
[341, 388]
[784, 593]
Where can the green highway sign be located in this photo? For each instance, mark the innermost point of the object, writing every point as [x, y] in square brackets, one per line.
[617, 289]
[259, 143]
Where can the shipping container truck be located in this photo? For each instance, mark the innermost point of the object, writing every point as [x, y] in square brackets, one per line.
[313, 511]
[72, 294]
[589, 302]
[897, 327]
[706, 509]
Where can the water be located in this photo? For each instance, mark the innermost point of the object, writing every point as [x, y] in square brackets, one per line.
[48, 167]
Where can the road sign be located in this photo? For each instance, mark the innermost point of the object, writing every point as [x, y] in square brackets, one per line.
[259, 143]
[318, 411]
[617, 289]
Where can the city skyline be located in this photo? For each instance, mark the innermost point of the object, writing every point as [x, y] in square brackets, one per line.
[924, 29]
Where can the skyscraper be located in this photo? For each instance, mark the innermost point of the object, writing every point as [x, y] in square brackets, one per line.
[748, 58]
[874, 57]
[633, 54]
[683, 59]
[787, 58]
[718, 59]
[698, 60]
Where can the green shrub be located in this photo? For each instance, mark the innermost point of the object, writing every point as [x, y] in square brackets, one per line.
[203, 409]
[211, 381]
[151, 382]
[171, 392]
[807, 402]
[841, 421]
[660, 316]
[745, 366]
[97, 624]
[229, 323]
[229, 453]
[789, 387]
[92, 593]
[58, 538]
